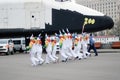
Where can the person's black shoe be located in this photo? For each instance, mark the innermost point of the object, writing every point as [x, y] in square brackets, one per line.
[96, 54]
[76, 58]
[90, 55]
[66, 59]
[63, 60]
[79, 58]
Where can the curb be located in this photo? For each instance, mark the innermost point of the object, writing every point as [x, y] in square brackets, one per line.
[107, 51]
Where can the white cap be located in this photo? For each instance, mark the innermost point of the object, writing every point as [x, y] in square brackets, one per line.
[32, 37]
[75, 36]
[38, 38]
[65, 34]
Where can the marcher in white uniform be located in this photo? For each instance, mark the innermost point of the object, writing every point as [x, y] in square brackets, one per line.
[80, 46]
[54, 46]
[84, 46]
[33, 51]
[87, 42]
[66, 47]
[49, 57]
[39, 50]
[64, 57]
[70, 45]
[77, 47]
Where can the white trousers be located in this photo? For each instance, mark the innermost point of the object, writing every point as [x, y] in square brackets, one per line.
[72, 52]
[77, 52]
[63, 55]
[39, 54]
[49, 58]
[34, 60]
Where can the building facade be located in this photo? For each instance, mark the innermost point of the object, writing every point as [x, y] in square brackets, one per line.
[108, 7]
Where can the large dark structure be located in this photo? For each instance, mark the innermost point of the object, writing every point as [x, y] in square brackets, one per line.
[55, 16]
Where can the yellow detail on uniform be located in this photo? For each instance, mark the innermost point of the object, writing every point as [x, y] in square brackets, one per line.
[76, 42]
[53, 44]
[83, 38]
[61, 42]
[46, 43]
[31, 43]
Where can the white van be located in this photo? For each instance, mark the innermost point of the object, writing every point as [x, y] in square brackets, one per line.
[6, 46]
[19, 44]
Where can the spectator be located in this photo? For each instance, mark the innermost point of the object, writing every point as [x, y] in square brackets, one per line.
[92, 46]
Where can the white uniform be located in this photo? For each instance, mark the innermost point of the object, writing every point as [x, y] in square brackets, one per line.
[49, 57]
[88, 54]
[64, 57]
[54, 52]
[33, 58]
[67, 49]
[84, 44]
[69, 43]
[77, 50]
[39, 53]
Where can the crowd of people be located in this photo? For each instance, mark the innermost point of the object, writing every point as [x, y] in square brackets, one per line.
[72, 47]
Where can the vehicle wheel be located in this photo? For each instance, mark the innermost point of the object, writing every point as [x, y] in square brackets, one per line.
[3, 54]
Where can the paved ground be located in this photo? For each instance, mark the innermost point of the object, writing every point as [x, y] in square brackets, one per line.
[106, 66]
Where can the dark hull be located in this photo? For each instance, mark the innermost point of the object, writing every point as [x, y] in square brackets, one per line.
[62, 19]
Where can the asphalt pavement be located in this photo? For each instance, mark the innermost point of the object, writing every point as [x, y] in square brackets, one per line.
[106, 66]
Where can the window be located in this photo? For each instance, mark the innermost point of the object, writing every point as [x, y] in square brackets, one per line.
[3, 41]
[17, 42]
[23, 41]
